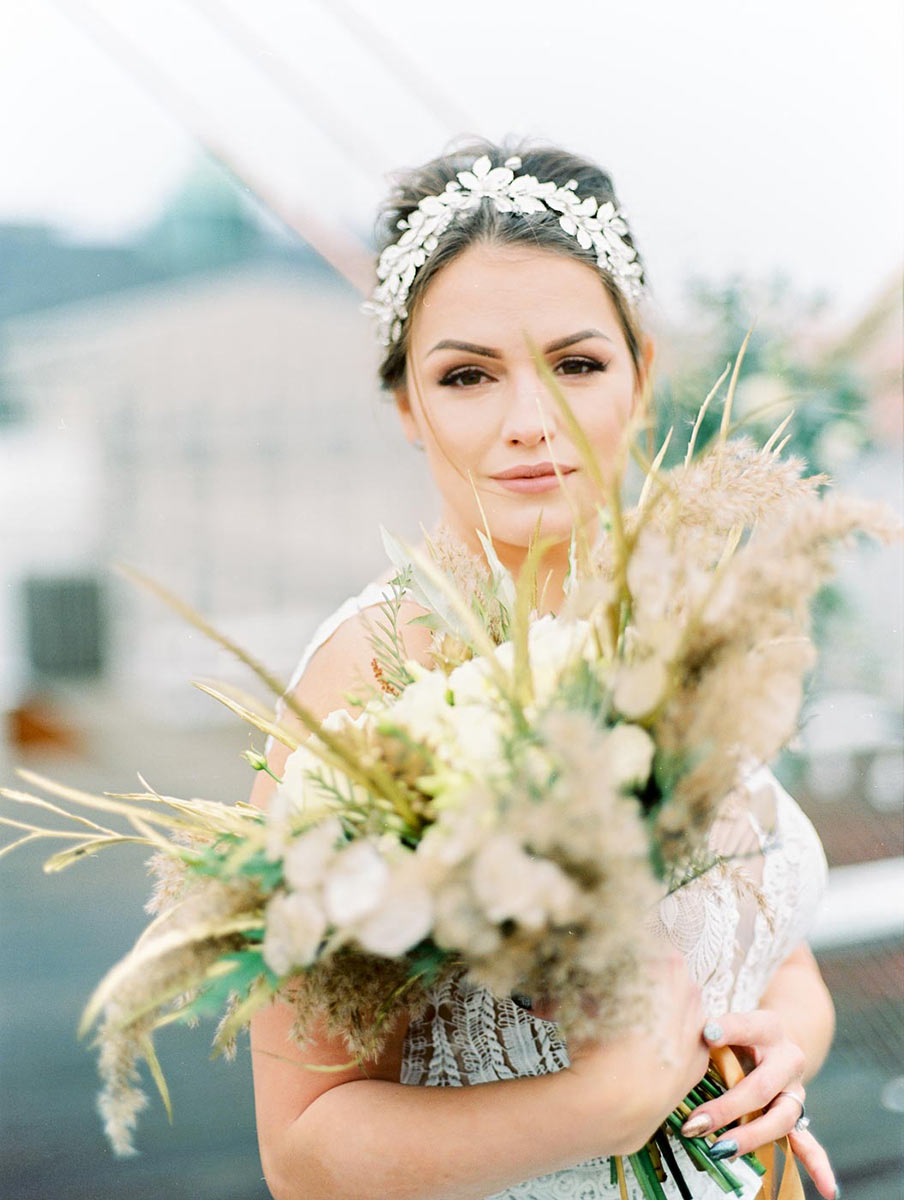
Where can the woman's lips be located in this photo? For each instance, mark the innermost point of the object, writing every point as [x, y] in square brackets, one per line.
[538, 477]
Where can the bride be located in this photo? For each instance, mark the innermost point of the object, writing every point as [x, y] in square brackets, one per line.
[517, 250]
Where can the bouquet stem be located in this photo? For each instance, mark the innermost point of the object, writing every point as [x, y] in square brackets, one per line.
[657, 1156]
[656, 1160]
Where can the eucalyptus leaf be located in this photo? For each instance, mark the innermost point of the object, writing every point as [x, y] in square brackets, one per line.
[503, 583]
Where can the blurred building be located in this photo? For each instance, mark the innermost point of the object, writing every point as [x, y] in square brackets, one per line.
[220, 429]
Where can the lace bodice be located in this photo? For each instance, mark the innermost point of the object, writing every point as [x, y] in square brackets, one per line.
[734, 925]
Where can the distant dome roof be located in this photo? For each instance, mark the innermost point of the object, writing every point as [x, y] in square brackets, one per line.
[208, 219]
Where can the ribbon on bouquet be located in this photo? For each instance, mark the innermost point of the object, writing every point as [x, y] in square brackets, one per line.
[789, 1186]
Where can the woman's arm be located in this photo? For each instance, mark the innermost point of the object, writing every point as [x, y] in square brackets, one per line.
[333, 1136]
[801, 1000]
[359, 1132]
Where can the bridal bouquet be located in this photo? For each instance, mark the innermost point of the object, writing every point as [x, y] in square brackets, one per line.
[513, 811]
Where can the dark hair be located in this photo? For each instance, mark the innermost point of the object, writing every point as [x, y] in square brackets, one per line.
[487, 224]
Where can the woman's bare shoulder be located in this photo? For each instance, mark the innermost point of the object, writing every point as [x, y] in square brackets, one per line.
[349, 651]
[340, 671]
[343, 662]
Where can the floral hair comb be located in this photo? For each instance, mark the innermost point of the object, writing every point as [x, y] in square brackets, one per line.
[601, 227]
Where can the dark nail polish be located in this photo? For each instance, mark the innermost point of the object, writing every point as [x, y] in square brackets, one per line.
[522, 1001]
[723, 1149]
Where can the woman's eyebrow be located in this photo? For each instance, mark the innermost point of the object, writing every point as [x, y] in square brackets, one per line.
[488, 352]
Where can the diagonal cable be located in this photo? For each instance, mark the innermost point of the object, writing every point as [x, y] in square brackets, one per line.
[403, 67]
[342, 250]
[286, 78]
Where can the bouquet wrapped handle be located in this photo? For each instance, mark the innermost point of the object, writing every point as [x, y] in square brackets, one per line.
[789, 1186]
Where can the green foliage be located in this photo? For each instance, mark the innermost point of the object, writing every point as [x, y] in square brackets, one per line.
[386, 640]
[219, 861]
[781, 369]
[585, 690]
[426, 961]
[248, 967]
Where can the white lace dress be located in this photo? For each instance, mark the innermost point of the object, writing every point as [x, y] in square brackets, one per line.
[734, 928]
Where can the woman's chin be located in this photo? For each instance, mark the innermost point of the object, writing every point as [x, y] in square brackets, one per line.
[518, 528]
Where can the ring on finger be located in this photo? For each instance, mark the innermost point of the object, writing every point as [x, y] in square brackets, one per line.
[803, 1121]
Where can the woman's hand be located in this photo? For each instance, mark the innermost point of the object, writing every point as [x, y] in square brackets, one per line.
[774, 1085]
[655, 1069]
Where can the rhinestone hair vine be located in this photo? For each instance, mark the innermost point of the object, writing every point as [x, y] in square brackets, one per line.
[601, 227]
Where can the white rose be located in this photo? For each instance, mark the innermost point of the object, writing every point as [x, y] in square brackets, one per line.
[340, 719]
[295, 797]
[553, 646]
[476, 734]
[355, 883]
[297, 792]
[403, 918]
[421, 707]
[295, 925]
[307, 857]
[472, 683]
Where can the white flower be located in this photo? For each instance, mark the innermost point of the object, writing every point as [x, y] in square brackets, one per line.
[355, 883]
[422, 706]
[341, 719]
[486, 180]
[476, 732]
[471, 682]
[553, 646]
[300, 795]
[402, 919]
[306, 857]
[454, 714]
[295, 925]
[630, 755]
[297, 800]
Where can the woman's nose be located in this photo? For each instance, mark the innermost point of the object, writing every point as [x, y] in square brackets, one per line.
[529, 414]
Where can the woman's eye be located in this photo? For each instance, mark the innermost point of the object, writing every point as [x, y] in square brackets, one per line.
[471, 376]
[580, 366]
[463, 377]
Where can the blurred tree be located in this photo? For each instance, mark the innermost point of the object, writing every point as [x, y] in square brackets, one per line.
[791, 365]
[788, 366]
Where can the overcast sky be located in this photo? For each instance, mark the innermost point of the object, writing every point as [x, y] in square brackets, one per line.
[741, 136]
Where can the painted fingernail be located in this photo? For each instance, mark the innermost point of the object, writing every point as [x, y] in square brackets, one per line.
[837, 1191]
[712, 1031]
[723, 1149]
[697, 1126]
[522, 1001]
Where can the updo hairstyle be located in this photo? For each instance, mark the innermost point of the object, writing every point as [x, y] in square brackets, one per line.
[488, 225]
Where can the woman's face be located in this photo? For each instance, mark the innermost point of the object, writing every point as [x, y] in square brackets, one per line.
[475, 399]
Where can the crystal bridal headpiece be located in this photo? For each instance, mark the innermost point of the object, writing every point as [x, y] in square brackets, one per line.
[595, 226]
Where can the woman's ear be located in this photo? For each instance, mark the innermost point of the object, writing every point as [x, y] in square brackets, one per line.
[647, 354]
[406, 416]
[643, 373]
